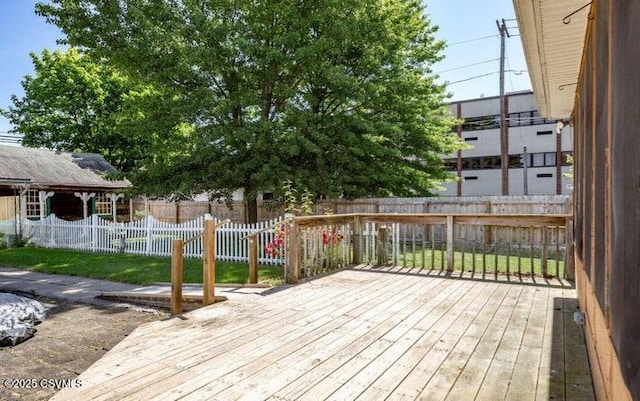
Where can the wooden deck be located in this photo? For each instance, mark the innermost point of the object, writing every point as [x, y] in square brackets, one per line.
[361, 333]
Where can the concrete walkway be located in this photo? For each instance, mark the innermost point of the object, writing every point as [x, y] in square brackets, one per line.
[86, 290]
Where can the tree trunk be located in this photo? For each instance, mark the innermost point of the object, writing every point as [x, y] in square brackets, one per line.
[252, 207]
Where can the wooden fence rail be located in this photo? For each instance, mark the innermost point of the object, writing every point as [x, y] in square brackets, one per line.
[177, 212]
[478, 243]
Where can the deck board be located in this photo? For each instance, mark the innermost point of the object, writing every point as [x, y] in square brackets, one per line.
[361, 333]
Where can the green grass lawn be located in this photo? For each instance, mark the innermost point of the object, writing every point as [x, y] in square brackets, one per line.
[434, 260]
[134, 269]
[143, 270]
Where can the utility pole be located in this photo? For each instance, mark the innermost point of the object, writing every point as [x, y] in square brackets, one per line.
[504, 144]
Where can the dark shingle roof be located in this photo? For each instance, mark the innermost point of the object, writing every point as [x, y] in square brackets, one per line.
[57, 169]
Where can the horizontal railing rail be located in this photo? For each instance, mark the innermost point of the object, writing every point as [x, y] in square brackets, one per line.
[521, 244]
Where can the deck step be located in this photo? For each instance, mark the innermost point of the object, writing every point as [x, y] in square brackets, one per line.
[190, 301]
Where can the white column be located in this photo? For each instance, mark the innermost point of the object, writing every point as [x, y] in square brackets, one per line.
[23, 201]
[23, 208]
[85, 197]
[114, 198]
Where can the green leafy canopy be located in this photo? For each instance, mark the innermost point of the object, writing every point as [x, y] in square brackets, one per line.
[74, 103]
[336, 96]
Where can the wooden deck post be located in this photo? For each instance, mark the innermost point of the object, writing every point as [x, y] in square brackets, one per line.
[357, 240]
[383, 238]
[208, 263]
[176, 276]
[543, 256]
[450, 250]
[569, 266]
[293, 268]
[253, 259]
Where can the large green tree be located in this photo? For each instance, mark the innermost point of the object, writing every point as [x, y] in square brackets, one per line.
[336, 96]
[73, 103]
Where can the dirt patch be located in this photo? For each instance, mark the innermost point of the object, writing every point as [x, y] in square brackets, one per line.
[70, 340]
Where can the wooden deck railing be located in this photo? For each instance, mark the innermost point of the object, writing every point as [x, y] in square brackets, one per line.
[208, 265]
[478, 243]
[253, 239]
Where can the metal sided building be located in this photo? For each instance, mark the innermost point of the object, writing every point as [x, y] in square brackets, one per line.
[537, 151]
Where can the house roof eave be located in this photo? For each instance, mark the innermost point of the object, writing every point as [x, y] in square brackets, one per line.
[553, 37]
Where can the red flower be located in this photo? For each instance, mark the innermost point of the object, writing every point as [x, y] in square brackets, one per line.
[331, 238]
[276, 245]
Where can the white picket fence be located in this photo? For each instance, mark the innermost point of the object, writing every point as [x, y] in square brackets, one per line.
[149, 236]
[10, 226]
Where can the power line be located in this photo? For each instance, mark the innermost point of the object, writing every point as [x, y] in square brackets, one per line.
[506, 56]
[468, 65]
[474, 77]
[517, 72]
[472, 40]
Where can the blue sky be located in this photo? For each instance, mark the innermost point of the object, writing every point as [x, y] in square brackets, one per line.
[464, 21]
[23, 32]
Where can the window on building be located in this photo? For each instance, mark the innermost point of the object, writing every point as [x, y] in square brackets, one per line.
[547, 159]
[518, 119]
[471, 138]
[32, 203]
[550, 159]
[536, 118]
[515, 161]
[543, 159]
[481, 123]
[544, 133]
[491, 162]
[545, 175]
[527, 118]
[471, 178]
[450, 164]
[475, 163]
[537, 160]
[102, 204]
